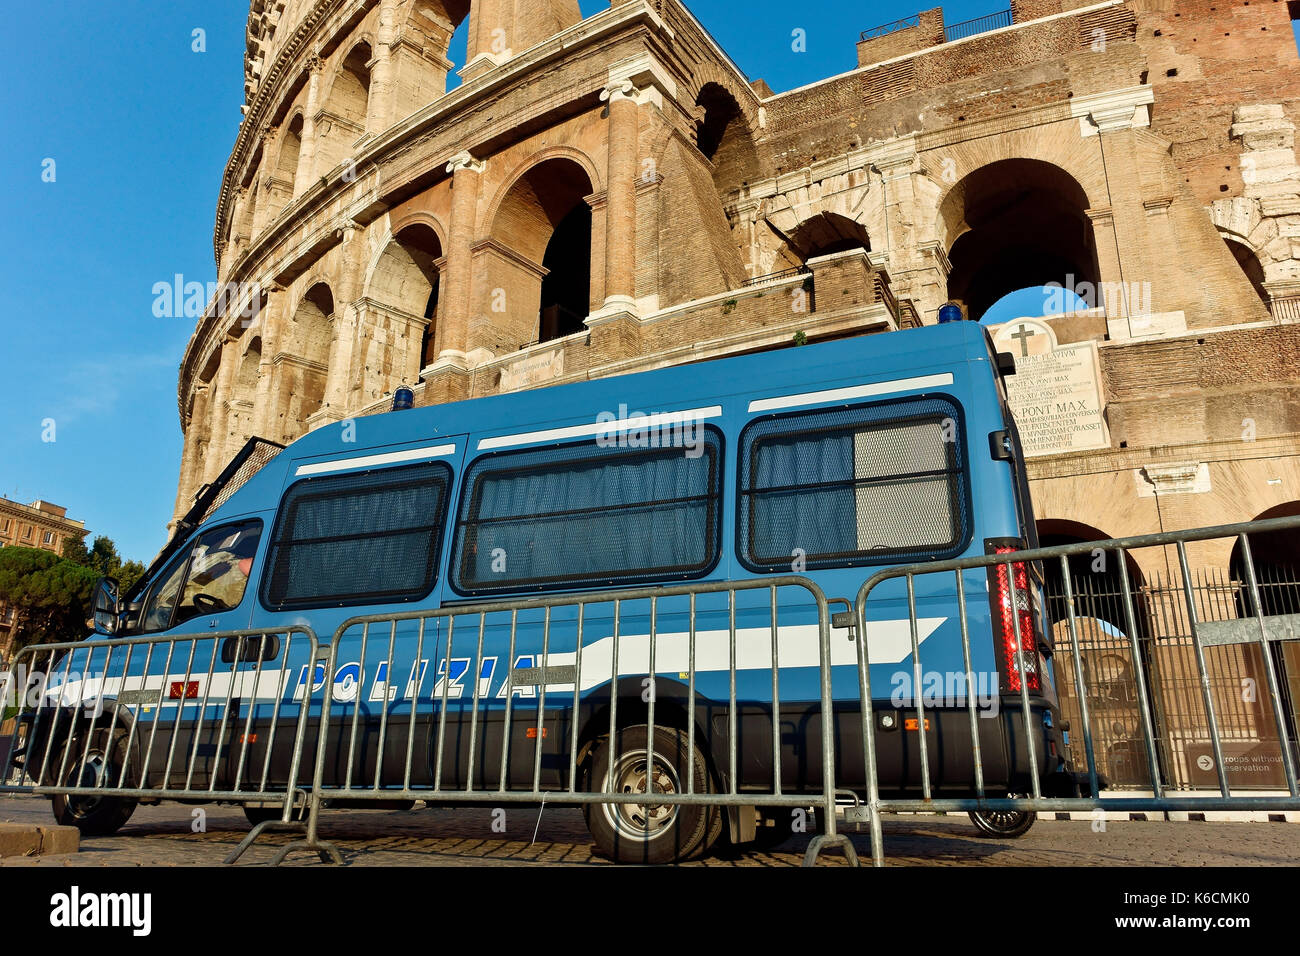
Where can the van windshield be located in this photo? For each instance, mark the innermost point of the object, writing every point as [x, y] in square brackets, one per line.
[207, 578]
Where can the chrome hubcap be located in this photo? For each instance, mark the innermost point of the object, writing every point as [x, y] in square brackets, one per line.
[630, 774]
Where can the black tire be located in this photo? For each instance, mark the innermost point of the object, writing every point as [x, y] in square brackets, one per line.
[1003, 824]
[93, 816]
[676, 832]
[256, 815]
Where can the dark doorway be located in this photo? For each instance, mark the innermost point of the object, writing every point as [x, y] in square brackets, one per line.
[566, 287]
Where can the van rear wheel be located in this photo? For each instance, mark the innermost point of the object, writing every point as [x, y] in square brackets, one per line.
[651, 832]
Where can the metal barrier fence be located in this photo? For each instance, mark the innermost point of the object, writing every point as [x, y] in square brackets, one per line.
[240, 733]
[94, 722]
[1255, 629]
[575, 643]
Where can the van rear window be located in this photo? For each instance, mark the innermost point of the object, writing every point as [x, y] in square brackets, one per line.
[369, 537]
[588, 515]
[848, 486]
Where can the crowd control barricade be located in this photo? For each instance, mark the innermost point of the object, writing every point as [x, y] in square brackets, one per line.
[202, 717]
[1247, 622]
[423, 711]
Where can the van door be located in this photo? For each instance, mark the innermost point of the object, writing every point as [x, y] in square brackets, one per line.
[204, 590]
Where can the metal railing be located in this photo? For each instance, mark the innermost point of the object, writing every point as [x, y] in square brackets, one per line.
[887, 28]
[1259, 630]
[776, 276]
[614, 642]
[969, 28]
[94, 719]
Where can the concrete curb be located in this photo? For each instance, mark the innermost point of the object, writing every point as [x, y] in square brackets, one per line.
[23, 839]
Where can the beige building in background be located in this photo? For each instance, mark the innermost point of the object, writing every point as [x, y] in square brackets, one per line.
[37, 525]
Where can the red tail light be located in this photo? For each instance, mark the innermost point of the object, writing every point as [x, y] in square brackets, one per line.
[1006, 624]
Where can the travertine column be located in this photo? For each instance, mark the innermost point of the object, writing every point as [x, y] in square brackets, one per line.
[379, 107]
[219, 450]
[268, 323]
[620, 197]
[339, 376]
[466, 172]
[302, 180]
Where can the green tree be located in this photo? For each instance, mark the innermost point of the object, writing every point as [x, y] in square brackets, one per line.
[49, 594]
[103, 558]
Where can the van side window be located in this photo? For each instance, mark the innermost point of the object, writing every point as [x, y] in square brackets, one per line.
[841, 487]
[588, 515]
[207, 578]
[364, 537]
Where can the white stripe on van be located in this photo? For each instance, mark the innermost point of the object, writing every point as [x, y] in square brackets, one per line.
[368, 461]
[852, 391]
[600, 428]
[888, 642]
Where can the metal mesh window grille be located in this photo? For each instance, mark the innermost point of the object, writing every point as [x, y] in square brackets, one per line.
[589, 515]
[358, 538]
[848, 486]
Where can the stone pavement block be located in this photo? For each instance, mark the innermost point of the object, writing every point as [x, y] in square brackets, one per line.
[22, 839]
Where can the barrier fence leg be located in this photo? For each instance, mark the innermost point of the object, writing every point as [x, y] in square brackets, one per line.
[327, 851]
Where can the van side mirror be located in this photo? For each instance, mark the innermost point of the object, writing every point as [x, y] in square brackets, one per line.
[250, 649]
[105, 606]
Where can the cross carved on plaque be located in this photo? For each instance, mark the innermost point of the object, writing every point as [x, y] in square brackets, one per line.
[1024, 335]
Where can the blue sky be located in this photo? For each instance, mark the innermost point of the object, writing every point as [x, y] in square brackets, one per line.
[139, 127]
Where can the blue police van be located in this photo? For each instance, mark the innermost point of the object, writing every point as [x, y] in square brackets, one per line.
[827, 462]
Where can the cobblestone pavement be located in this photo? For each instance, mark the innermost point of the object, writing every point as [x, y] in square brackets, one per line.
[162, 836]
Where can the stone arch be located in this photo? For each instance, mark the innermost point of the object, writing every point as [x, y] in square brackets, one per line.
[1013, 224]
[724, 136]
[807, 221]
[1105, 648]
[825, 233]
[303, 358]
[1275, 556]
[428, 26]
[538, 251]
[711, 74]
[405, 281]
[350, 86]
[286, 166]
[1248, 260]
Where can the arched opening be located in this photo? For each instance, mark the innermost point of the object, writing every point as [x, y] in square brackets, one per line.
[350, 93]
[826, 233]
[446, 25]
[722, 135]
[566, 287]
[286, 168]
[540, 274]
[304, 359]
[1250, 265]
[405, 279]
[1276, 559]
[1018, 224]
[1104, 629]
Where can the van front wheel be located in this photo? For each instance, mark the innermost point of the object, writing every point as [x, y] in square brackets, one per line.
[1003, 824]
[91, 767]
[648, 832]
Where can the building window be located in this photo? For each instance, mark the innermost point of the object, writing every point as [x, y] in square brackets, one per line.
[4, 525]
[370, 537]
[7, 616]
[27, 532]
[47, 538]
[842, 487]
[584, 515]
